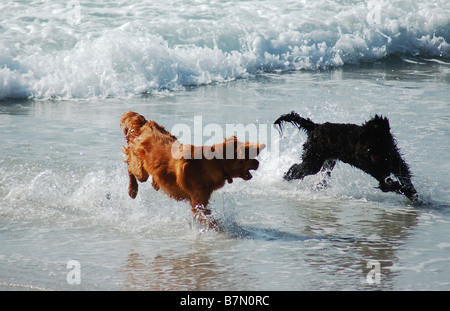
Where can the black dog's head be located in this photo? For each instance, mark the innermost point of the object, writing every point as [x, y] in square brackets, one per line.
[383, 158]
[377, 141]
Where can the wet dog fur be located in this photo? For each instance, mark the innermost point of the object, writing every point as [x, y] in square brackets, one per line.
[184, 172]
[370, 147]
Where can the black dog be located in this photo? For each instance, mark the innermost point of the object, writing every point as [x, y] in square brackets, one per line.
[369, 147]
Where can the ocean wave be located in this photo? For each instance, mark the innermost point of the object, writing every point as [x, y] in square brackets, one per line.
[140, 50]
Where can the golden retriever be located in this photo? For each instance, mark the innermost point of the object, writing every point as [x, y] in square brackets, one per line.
[184, 172]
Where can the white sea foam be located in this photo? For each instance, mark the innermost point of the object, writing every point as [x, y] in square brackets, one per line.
[85, 49]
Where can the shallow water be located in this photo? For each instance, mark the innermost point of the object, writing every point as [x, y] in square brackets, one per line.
[63, 185]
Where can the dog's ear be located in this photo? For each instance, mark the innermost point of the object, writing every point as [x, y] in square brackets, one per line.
[249, 150]
[375, 127]
[382, 122]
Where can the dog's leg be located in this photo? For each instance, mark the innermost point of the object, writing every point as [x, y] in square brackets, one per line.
[155, 184]
[132, 186]
[299, 171]
[307, 167]
[399, 181]
[412, 194]
[327, 167]
[294, 172]
[402, 186]
[404, 177]
[202, 214]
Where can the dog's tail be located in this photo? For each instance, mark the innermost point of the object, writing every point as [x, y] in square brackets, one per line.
[297, 120]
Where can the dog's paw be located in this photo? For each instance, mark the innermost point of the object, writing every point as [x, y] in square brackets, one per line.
[132, 187]
[132, 192]
[203, 217]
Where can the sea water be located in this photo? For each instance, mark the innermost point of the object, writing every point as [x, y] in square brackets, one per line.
[69, 69]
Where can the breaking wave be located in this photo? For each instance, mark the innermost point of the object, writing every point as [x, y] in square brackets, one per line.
[128, 49]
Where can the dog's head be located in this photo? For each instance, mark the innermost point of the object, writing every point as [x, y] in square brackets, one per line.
[239, 158]
[377, 141]
[384, 158]
[130, 122]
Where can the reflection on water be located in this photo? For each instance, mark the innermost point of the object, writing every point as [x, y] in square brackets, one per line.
[193, 271]
[282, 260]
[377, 238]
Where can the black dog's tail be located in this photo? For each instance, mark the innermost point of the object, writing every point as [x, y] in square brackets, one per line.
[297, 120]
